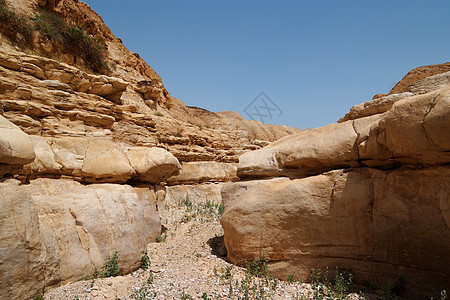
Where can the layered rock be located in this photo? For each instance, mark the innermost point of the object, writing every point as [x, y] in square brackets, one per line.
[83, 156]
[16, 148]
[49, 98]
[49, 237]
[370, 193]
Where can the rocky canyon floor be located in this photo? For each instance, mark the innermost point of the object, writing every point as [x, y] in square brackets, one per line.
[188, 261]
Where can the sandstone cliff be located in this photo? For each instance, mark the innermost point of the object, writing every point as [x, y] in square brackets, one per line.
[370, 192]
[83, 154]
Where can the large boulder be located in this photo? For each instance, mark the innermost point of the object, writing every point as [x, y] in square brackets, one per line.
[414, 131]
[56, 231]
[16, 147]
[152, 165]
[99, 161]
[382, 224]
[204, 171]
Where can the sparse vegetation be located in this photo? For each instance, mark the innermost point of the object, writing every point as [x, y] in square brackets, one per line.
[145, 261]
[186, 296]
[324, 289]
[72, 39]
[14, 26]
[111, 268]
[206, 211]
[159, 114]
[161, 238]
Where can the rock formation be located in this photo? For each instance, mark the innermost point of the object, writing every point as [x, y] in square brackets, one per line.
[370, 193]
[85, 158]
[88, 161]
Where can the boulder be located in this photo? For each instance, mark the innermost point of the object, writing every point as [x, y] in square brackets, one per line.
[204, 171]
[324, 148]
[381, 224]
[413, 132]
[57, 231]
[153, 165]
[16, 147]
[105, 162]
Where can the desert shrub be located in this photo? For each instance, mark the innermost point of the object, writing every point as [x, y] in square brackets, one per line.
[72, 39]
[14, 26]
[258, 267]
[145, 261]
[111, 268]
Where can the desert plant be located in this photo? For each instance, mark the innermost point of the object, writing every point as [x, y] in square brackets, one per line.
[72, 39]
[186, 296]
[343, 283]
[290, 278]
[111, 268]
[258, 267]
[14, 26]
[145, 261]
[161, 238]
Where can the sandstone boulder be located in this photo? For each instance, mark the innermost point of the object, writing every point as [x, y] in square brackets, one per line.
[381, 224]
[323, 148]
[414, 131]
[50, 237]
[106, 162]
[204, 171]
[16, 147]
[152, 165]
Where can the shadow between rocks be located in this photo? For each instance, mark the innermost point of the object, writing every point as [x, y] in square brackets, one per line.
[217, 246]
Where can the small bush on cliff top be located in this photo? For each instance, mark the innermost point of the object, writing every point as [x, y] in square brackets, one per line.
[72, 39]
[15, 27]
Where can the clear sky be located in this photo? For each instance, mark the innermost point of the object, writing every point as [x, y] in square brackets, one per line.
[314, 59]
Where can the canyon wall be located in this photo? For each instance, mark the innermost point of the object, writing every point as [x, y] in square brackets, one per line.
[370, 193]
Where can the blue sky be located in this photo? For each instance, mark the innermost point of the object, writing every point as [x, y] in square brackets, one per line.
[314, 59]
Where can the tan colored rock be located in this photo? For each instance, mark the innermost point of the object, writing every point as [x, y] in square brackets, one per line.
[16, 147]
[49, 237]
[384, 102]
[197, 172]
[380, 224]
[105, 162]
[195, 193]
[416, 128]
[323, 148]
[44, 161]
[153, 165]
[22, 254]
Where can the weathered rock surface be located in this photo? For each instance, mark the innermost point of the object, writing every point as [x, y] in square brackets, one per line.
[15, 146]
[370, 193]
[99, 160]
[49, 236]
[411, 85]
[381, 224]
[414, 131]
[205, 171]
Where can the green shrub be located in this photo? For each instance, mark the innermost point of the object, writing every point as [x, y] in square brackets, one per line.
[258, 267]
[72, 39]
[161, 238]
[145, 261]
[15, 27]
[111, 268]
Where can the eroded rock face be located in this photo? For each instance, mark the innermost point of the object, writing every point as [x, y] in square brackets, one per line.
[414, 131]
[381, 224]
[49, 236]
[205, 171]
[385, 215]
[15, 146]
